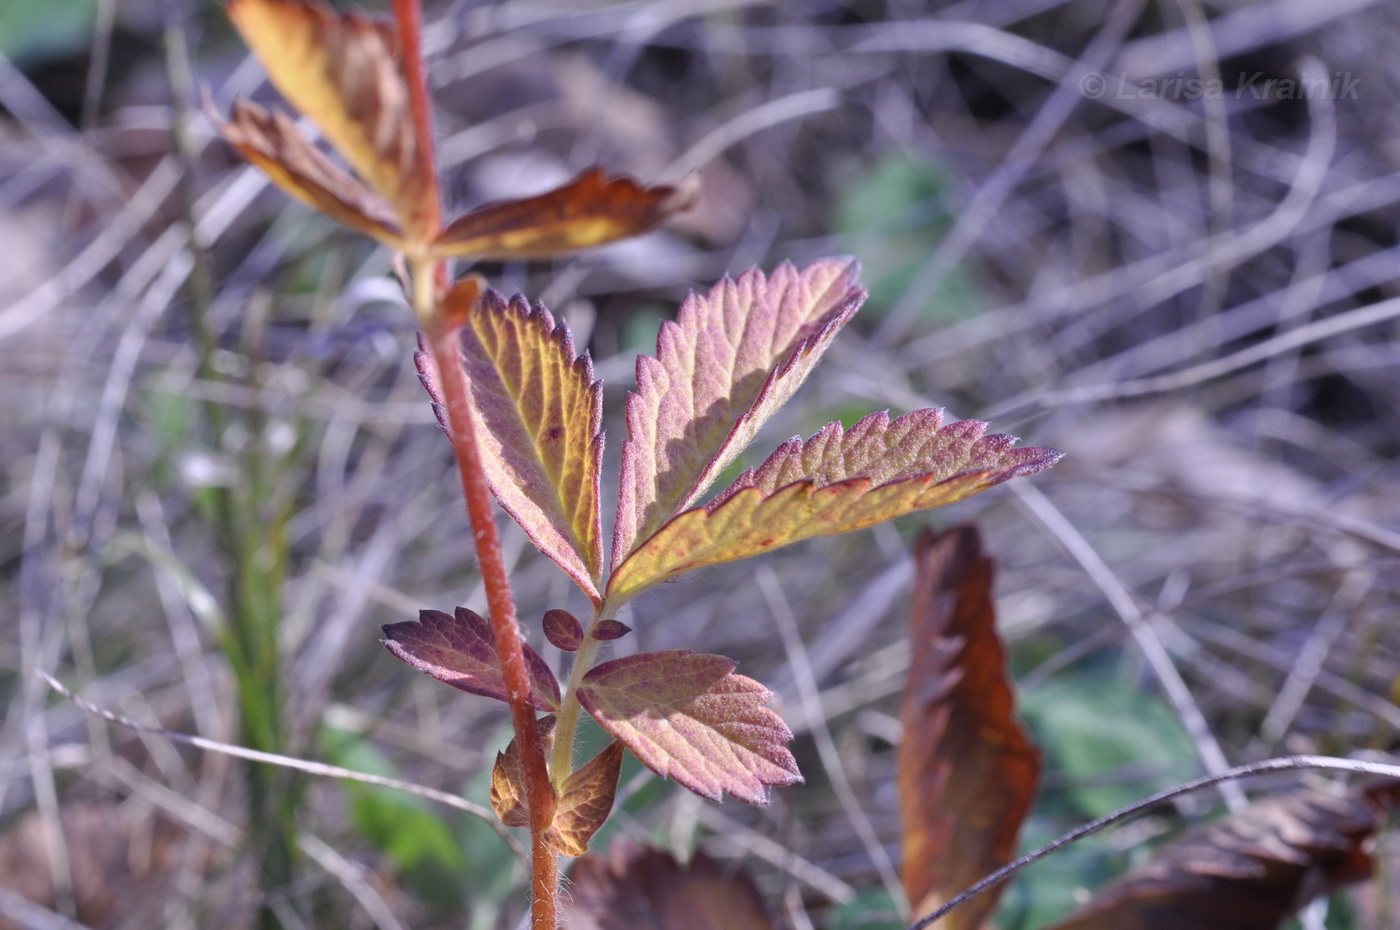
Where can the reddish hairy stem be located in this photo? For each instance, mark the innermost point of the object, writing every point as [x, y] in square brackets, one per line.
[544, 862]
[409, 16]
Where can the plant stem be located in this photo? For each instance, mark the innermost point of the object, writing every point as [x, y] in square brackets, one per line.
[561, 763]
[540, 797]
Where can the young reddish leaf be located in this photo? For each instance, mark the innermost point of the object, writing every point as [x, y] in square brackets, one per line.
[342, 70]
[590, 210]
[583, 806]
[542, 446]
[460, 650]
[1247, 871]
[563, 630]
[729, 360]
[609, 629]
[632, 889]
[271, 141]
[833, 483]
[966, 771]
[585, 802]
[689, 717]
[508, 791]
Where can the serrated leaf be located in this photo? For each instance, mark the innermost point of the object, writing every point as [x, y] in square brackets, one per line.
[1248, 871]
[460, 650]
[689, 717]
[342, 70]
[585, 802]
[835, 482]
[590, 210]
[271, 142]
[508, 791]
[542, 446]
[731, 358]
[632, 889]
[966, 770]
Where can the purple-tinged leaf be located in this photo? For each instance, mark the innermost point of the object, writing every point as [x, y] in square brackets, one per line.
[689, 717]
[731, 358]
[563, 630]
[460, 650]
[608, 630]
[835, 482]
[542, 446]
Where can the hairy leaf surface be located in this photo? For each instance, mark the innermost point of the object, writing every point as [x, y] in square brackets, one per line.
[731, 358]
[689, 717]
[966, 770]
[833, 483]
[631, 889]
[272, 142]
[1248, 871]
[460, 650]
[542, 446]
[590, 210]
[342, 70]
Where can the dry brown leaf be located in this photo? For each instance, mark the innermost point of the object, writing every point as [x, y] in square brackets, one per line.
[1247, 871]
[966, 769]
[585, 802]
[590, 210]
[342, 70]
[272, 142]
[647, 889]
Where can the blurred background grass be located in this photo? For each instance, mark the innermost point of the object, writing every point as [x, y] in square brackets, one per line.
[214, 444]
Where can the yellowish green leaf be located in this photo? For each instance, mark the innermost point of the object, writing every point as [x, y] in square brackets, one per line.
[833, 483]
[731, 358]
[542, 446]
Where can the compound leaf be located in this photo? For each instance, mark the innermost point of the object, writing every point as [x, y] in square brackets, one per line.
[272, 142]
[542, 446]
[731, 358]
[835, 482]
[590, 210]
[1247, 871]
[966, 770]
[460, 650]
[689, 717]
[342, 70]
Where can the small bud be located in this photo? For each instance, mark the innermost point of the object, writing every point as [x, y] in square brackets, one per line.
[563, 630]
[610, 629]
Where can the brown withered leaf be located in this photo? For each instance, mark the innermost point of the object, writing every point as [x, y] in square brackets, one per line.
[966, 771]
[1248, 871]
[590, 210]
[647, 888]
[508, 791]
[583, 804]
[342, 70]
[272, 142]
